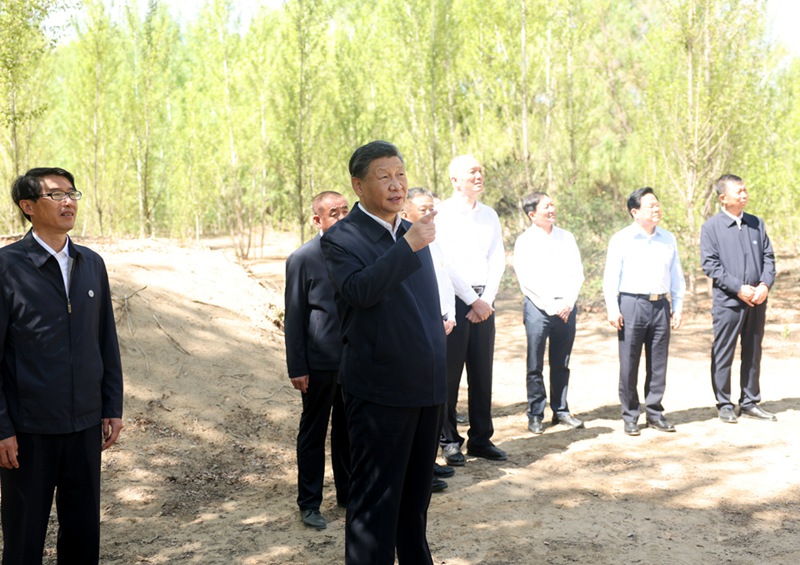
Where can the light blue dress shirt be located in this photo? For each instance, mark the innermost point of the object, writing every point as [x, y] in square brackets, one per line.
[640, 263]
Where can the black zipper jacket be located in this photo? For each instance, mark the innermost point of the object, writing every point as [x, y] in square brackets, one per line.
[59, 355]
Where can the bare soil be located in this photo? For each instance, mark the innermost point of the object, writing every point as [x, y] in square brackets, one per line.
[204, 472]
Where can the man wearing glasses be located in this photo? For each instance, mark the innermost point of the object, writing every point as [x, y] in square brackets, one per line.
[61, 378]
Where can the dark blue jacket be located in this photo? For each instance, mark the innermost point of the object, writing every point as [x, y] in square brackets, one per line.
[311, 324]
[59, 356]
[733, 257]
[394, 350]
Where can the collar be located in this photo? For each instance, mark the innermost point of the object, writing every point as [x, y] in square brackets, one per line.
[738, 219]
[373, 229]
[38, 254]
[639, 231]
[50, 250]
[541, 231]
[391, 228]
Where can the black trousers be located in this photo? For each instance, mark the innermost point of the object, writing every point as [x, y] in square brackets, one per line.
[731, 324]
[393, 450]
[542, 329]
[646, 324]
[69, 465]
[471, 345]
[322, 402]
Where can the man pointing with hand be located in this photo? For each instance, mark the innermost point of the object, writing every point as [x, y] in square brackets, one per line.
[392, 371]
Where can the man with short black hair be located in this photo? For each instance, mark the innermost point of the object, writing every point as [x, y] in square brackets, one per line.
[548, 265]
[642, 270]
[313, 351]
[736, 253]
[61, 392]
[393, 361]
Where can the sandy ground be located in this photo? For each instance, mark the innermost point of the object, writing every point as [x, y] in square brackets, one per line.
[205, 470]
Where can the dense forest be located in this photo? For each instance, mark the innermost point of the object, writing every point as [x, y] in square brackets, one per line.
[220, 125]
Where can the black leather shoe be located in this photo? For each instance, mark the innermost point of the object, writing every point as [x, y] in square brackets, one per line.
[726, 415]
[632, 428]
[438, 485]
[567, 420]
[453, 456]
[535, 425]
[443, 471]
[461, 419]
[661, 425]
[755, 411]
[489, 452]
[313, 519]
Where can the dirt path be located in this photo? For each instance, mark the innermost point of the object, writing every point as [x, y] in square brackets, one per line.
[205, 471]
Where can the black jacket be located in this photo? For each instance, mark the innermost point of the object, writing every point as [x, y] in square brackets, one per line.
[311, 325]
[59, 356]
[733, 256]
[388, 300]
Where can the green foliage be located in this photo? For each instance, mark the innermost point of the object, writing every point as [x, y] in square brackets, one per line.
[225, 125]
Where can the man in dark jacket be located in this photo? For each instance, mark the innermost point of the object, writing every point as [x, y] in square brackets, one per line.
[61, 394]
[313, 350]
[736, 253]
[393, 361]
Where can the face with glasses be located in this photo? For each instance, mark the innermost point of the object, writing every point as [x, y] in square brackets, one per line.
[53, 212]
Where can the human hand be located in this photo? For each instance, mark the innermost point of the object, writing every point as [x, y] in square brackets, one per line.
[111, 429]
[448, 326]
[760, 294]
[479, 311]
[422, 232]
[300, 383]
[676, 320]
[746, 294]
[8, 453]
[617, 322]
[564, 313]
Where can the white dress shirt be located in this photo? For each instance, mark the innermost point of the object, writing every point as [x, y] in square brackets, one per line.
[392, 229]
[548, 267]
[472, 243]
[447, 297]
[63, 258]
[640, 263]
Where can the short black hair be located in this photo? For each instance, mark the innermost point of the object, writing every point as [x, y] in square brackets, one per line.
[318, 199]
[366, 154]
[719, 186]
[29, 185]
[635, 199]
[530, 202]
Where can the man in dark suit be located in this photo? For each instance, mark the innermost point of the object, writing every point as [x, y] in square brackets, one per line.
[736, 253]
[60, 377]
[393, 361]
[313, 351]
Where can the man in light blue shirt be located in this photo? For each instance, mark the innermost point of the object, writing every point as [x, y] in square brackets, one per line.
[642, 270]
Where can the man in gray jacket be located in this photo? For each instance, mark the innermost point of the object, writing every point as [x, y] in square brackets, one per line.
[736, 253]
[61, 393]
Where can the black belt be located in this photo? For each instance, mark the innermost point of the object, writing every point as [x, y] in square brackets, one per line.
[479, 289]
[650, 297]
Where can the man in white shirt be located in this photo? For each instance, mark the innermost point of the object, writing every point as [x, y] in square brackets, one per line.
[419, 202]
[548, 266]
[642, 269]
[470, 238]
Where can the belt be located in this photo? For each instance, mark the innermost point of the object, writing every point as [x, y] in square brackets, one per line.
[650, 297]
[479, 289]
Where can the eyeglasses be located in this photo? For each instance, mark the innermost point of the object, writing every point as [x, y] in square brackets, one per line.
[59, 195]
